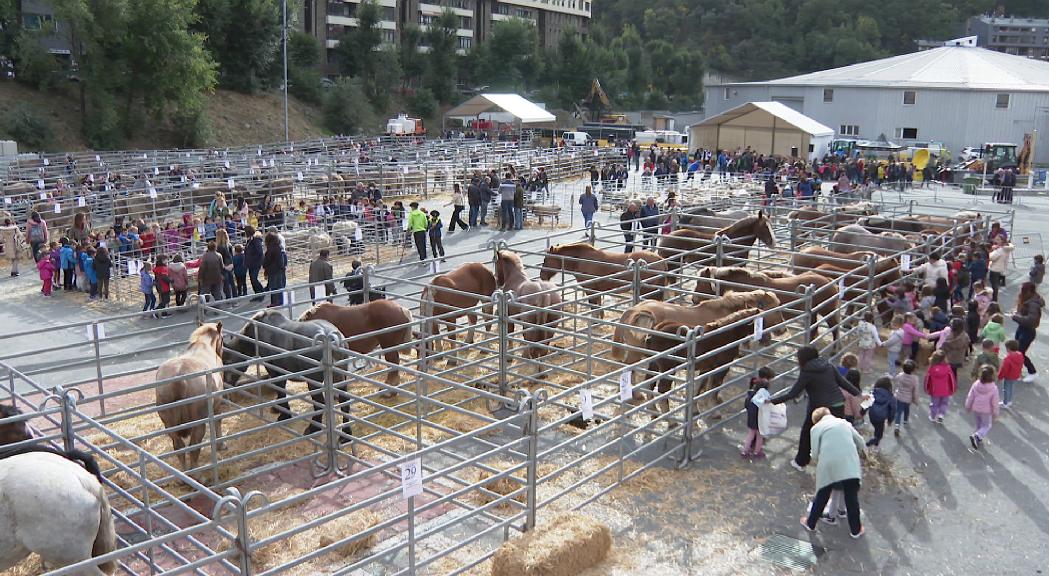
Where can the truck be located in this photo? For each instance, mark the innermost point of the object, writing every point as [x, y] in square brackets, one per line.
[402, 125]
[994, 154]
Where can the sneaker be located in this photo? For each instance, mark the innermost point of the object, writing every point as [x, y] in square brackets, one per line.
[972, 440]
[805, 524]
[939, 419]
[1031, 378]
[932, 418]
[829, 520]
[797, 466]
[843, 513]
[758, 455]
[896, 432]
[858, 535]
[979, 442]
[873, 449]
[744, 454]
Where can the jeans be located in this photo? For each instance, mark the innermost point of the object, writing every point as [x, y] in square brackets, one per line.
[277, 280]
[484, 213]
[983, 424]
[893, 358]
[256, 285]
[629, 243]
[1007, 391]
[474, 211]
[228, 284]
[996, 283]
[67, 278]
[150, 301]
[165, 300]
[241, 278]
[436, 246]
[1025, 337]
[588, 218]
[938, 406]
[518, 218]
[506, 215]
[103, 288]
[879, 430]
[420, 243]
[804, 455]
[903, 412]
[851, 489]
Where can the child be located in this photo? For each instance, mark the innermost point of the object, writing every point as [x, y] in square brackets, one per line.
[882, 410]
[435, 229]
[1011, 370]
[1037, 273]
[992, 309]
[936, 320]
[906, 384]
[956, 345]
[47, 271]
[752, 446]
[179, 279]
[994, 331]
[894, 344]
[987, 357]
[240, 271]
[56, 263]
[972, 322]
[162, 282]
[982, 297]
[983, 402]
[912, 336]
[940, 385]
[853, 404]
[87, 264]
[869, 340]
[68, 265]
[145, 285]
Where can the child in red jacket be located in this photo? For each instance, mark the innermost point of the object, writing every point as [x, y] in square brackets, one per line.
[940, 384]
[47, 271]
[1011, 370]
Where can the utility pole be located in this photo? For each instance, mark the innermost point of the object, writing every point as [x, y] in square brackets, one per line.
[284, 41]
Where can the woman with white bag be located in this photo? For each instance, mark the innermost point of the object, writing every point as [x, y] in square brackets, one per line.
[837, 447]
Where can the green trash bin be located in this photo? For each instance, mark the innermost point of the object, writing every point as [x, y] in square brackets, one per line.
[970, 184]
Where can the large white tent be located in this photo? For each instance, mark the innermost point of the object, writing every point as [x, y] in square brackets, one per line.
[521, 111]
[765, 127]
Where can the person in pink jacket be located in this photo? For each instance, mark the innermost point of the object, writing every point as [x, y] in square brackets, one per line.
[47, 271]
[983, 402]
[940, 385]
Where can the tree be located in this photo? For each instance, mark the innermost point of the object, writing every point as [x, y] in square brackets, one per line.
[573, 69]
[385, 80]
[423, 104]
[346, 109]
[34, 65]
[354, 52]
[413, 63]
[243, 36]
[304, 79]
[509, 59]
[442, 60]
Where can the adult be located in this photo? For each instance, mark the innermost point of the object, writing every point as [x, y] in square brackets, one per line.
[1028, 317]
[486, 200]
[837, 448]
[519, 205]
[209, 274]
[506, 205]
[275, 264]
[805, 188]
[459, 204]
[80, 230]
[11, 240]
[223, 249]
[588, 205]
[771, 189]
[103, 271]
[473, 197]
[418, 223]
[997, 232]
[934, 269]
[650, 221]
[630, 223]
[822, 383]
[998, 265]
[36, 234]
[321, 271]
[253, 253]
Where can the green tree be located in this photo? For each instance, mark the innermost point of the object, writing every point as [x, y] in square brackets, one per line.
[385, 80]
[23, 125]
[304, 79]
[34, 65]
[423, 104]
[572, 69]
[243, 36]
[354, 52]
[413, 63]
[442, 61]
[509, 59]
[346, 108]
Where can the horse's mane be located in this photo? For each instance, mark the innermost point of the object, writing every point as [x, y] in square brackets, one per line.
[203, 331]
[575, 245]
[719, 273]
[731, 319]
[747, 298]
[512, 257]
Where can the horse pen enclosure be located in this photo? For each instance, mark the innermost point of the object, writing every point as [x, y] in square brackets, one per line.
[485, 436]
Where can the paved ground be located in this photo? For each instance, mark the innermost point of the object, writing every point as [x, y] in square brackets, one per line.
[931, 505]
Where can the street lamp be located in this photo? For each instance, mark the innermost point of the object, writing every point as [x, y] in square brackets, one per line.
[284, 42]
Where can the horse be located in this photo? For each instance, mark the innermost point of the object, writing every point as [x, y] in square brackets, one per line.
[454, 294]
[703, 217]
[848, 238]
[269, 333]
[812, 256]
[597, 271]
[666, 336]
[203, 354]
[540, 296]
[364, 319]
[686, 246]
[824, 298]
[646, 315]
[50, 492]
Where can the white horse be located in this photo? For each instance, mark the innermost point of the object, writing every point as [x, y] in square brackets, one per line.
[55, 508]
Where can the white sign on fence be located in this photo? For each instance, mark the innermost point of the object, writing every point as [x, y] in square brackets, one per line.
[40, 184]
[101, 331]
[404, 224]
[298, 176]
[43, 196]
[47, 162]
[358, 234]
[229, 183]
[226, 164]
[412, 478]
[98, 158]
[152, 192]
[586, 401]
[905, 262]
[759, 328]
[626, 386]
[7, 201]
[58, 208]
[81, 202]
[156, 171]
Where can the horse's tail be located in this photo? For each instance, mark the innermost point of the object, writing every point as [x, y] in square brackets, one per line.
[106, 537]
[87, 460]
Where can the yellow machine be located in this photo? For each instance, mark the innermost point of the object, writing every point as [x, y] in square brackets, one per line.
[920, 160]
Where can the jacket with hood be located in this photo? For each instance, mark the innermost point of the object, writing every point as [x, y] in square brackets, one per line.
[1030, 314]
[179, 276]
[983, 398]
[884, 406]
[822, 382]
[940, 381]
[253, 253]
[956, 346]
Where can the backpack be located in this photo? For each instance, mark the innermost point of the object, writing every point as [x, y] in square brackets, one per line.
[36, 232]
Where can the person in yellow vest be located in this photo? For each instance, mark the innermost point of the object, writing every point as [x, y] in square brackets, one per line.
[418, 224]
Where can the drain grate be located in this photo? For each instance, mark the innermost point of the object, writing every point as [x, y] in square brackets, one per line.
[790, 552]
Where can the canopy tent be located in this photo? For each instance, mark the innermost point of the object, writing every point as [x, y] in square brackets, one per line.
[523, 112]
[766, 127]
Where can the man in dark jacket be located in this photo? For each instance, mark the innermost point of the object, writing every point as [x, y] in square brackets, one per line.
[473, 198]
[486, 199]
[209, 274]
[822, 383]
[320, 270]
[253, 252]
[650, 221]
[630, 224]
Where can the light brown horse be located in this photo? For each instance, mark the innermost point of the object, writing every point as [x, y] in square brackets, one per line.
[712, 369]
[203, 354]
[599, 271]
[646, 315]
[540, 296]
[688, 245]
[812, 256]
[363, 319]
[824, 299]
[453, 295]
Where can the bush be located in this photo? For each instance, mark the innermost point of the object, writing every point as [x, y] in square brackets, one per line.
[423, 104]
[31, 131]
[346, 108]
[34, 65]
[192, 128]
[102, 124]
[305, 84]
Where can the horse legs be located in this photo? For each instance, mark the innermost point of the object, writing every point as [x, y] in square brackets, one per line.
[177, 444]
[72, 550]
[282, 408]
[595, 304]
[473, 321]
[318, 407]
[196, 435]
[393, 378]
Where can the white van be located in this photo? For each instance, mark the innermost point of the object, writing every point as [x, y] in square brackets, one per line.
[576, 138]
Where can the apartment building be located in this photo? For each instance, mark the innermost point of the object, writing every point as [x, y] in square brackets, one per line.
[551, 17]
[1028, 37]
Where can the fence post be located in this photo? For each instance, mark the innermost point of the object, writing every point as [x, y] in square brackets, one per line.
[328, 363]
[202, 302]
[532, 419]
[499, 298]
[593, 232]
[67, 400]
[96, 345]
[635, 269]
[719, 245]
[238, 505]
[690, 394]
[794, 235]
[872, 280]
[366, 284]
[808, 291]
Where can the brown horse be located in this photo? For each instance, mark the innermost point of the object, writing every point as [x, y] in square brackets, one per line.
[687, 245]
[646, 315]
[203, 354]
[364, 319]
[599, 271]
[540, 296]
[453, 295]
[824, 299]
[712, 369]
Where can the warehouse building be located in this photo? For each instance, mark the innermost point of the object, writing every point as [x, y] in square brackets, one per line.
[958, 94]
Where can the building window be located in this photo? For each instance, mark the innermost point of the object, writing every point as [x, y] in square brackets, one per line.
[909, 97]
[907, 133]
[503, 9]
[1002, 101]
[828, 94]
[466, 23]
[37, 21]
[389, 36]
[849, 130]
[465, 42]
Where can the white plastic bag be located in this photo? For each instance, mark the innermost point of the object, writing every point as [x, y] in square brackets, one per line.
[772, 419]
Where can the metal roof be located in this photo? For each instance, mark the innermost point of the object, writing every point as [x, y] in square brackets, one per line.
[947, 67]
[515, 105]
[777, 109]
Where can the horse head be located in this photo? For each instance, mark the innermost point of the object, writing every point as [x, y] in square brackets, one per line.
[240, 346]
[553, 264]
[12, 432]
[209, 334]
[704, 284]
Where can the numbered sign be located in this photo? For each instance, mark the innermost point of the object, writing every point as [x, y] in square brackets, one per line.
[759, 328]
[586, 404]
[40, 184]
[43, 196]
[98, 158]
[58, 208]
[905, 262]
[81, 202]
[626, 386]
[411, 478]
[99, 329]
[91, 178]
[226, 164]
[229, 183]
[7, 201]
[156, 171]
[298, 176]
[404, 224]
[152, 192]
[47, 162]
[358, 234]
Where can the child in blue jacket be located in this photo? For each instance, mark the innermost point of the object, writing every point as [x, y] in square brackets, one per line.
[67, 263]
[882, 410]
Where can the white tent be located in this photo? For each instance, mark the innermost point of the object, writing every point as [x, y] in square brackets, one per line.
[766, 127]
[520, 110]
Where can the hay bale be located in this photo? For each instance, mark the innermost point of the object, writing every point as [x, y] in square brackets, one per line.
[566, 546]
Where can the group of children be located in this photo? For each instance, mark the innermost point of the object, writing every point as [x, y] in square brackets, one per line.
[68, 266]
